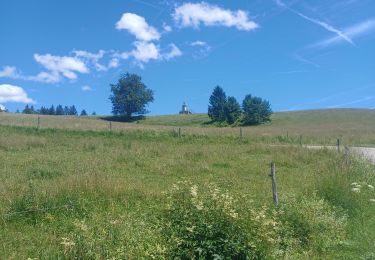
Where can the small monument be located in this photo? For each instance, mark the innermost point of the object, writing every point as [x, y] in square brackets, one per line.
[184, 110]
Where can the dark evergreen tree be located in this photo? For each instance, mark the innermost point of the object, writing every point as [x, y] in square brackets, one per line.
[216, 108]
[51, 110]
[43, 111]
[83, 113]
[66, 110]
[27, 110]
[93, 113]
[73, 111]
[59, 110]
[256, 110]
[130, 96]
[232, 110]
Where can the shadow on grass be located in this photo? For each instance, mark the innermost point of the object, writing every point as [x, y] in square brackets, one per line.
[123, 118]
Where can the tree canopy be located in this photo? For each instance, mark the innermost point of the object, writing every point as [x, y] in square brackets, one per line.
[256, 110]
[130, 96]
[217, 106]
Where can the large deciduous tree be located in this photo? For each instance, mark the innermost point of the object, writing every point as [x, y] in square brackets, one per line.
[130, 96]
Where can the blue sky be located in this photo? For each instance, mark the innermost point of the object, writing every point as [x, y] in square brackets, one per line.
[298, 54]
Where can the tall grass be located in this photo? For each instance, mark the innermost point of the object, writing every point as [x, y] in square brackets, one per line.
[101, 194]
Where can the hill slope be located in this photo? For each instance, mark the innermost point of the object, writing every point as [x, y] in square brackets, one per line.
[354, 126]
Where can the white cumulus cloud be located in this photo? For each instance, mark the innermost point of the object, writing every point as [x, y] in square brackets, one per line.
[195, 14]
[59, 65]
[137, 26]
[9, 72]
[11, 93]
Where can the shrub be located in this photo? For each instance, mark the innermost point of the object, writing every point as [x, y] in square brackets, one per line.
[202, 223]
[311, 225]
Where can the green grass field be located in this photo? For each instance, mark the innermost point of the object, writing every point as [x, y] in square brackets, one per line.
[79, 194]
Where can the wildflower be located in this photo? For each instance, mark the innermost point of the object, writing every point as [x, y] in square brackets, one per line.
[355, 189]
[68, 244]
[194, 191]
[372, 200]
[354, 184]
[370, 186]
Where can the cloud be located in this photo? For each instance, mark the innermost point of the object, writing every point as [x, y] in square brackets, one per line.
[58, 66]
[137, 26]
[203, 49]
[174, 52]
[114, 63]
[147, 51]
[91, 58]
[167, 28]
[9, 72]
[10, 93]
[322, 24]
[2, 107]
[195, 14]
[354, 31]
[357, 101]
[86, 88]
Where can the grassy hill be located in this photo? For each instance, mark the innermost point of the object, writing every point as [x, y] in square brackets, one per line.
[353, 126]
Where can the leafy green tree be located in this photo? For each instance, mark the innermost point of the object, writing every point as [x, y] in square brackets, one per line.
[256, 110]
[216, 108]
[59, 110]
[232, 110]
[130, 96]
[83, 113]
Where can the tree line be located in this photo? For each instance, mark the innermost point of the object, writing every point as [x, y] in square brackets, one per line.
[59, 110]
[131, 96]
[223, 110]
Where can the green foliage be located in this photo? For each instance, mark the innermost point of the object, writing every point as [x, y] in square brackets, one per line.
[311, 225]
[83, 113]
[217, 105]
[255, 110]
[203, 225]
[232, 110]
[130, 96]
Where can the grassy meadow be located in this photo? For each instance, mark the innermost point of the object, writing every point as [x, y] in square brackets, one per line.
[99, 194]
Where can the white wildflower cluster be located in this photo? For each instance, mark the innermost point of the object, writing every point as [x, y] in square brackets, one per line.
[356, 187]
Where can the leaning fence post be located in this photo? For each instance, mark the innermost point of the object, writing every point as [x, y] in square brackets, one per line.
[274, 189]
[338, 145]
[38, 122]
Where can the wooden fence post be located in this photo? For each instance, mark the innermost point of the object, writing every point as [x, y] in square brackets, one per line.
[274, 189]
[347, 155]
[110, 125]
[38, 122]
[241, 134]
[338, 145]
[179, 132]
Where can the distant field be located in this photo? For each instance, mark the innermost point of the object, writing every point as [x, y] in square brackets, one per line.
[352, 126]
